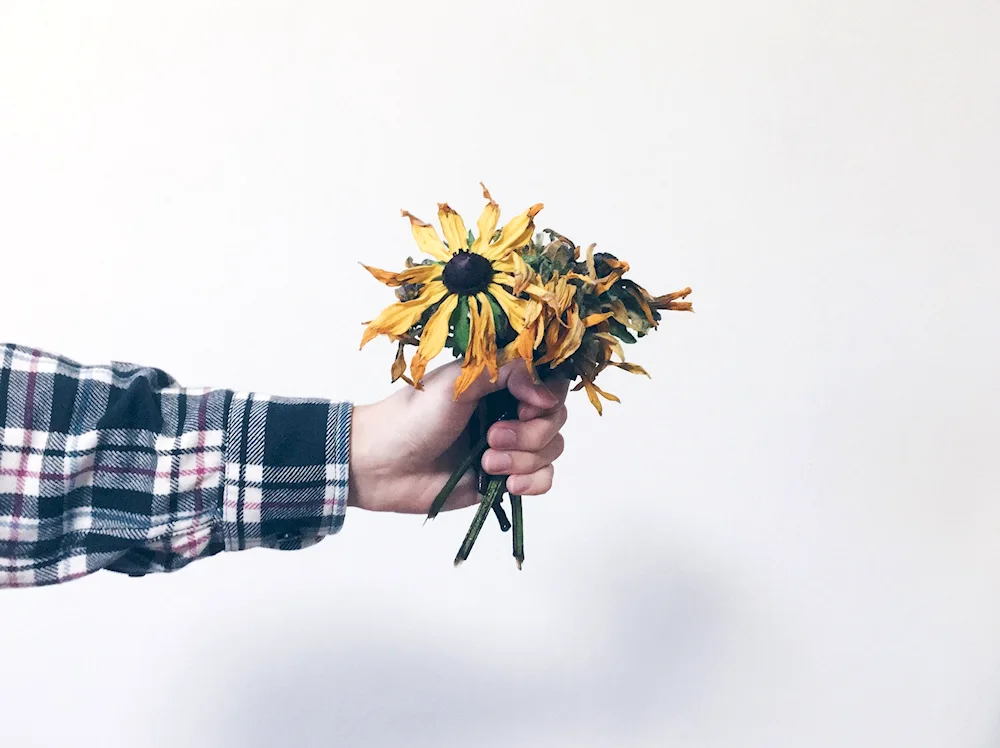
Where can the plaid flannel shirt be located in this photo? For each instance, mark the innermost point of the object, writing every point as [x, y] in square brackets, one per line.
[117, 467]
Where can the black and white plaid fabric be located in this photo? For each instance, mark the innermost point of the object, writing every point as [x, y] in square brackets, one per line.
[117, 467]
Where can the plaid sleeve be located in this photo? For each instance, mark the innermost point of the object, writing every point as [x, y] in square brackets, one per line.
[117, 467]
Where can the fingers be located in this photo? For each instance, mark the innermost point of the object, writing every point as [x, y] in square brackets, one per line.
[525, 449]
[514, 462]
[531, 485]
[528, 436]
[529, 392]
[558, 386]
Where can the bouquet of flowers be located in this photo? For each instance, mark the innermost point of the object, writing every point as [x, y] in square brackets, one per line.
[501, 294]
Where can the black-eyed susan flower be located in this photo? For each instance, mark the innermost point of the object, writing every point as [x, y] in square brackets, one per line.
[471, 286]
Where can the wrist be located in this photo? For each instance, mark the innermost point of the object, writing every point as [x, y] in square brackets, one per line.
[363, 471]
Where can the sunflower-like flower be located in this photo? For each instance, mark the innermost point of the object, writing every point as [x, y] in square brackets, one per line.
[471, 285]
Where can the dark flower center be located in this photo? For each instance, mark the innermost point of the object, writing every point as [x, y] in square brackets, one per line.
[467, 273]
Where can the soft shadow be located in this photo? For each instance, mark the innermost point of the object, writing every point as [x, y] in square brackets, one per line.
[665, 627]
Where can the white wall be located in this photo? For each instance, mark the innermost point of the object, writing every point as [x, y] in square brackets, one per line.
[805, 550]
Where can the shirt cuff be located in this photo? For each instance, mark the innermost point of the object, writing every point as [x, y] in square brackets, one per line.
[286, 478]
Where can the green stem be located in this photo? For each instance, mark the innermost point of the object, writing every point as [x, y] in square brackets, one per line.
[501, 514]
[473, 457]
[493, 490]
[516, 513]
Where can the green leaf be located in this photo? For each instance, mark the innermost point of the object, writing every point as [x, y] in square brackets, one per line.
[499, 320]
[545, 269]
[620, 331]
[471, 238]
[589, 304]
[460, 324]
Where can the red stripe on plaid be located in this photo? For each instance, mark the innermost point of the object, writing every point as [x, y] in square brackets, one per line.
[199, 467]
[29, 413]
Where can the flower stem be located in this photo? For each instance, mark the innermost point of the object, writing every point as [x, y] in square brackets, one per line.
[473, 457]
[501, 514]
[493, 491]
[516, 514]
[481, 425]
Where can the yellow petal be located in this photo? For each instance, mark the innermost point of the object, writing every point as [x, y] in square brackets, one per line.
[473, 365]
[576, 276]
[420, 274]
[382, 276]
[433, 338]
[592, 319]
[472, 350]
[660, 302]
[427, 238]
[416, 275]
[512, 307]
[532, 311]
[506, 265]
[469, 374]
[552, 339]
[453, 227]
[400, 317]
[524, 276]
[618, 269]
[591, 267]
[513, 266]
[512, 263]
[536, 291]
[506, 279]
[526, 345]
[513, 236]
[399, 365]
[605, 395]
[488, 336]
[611, 343]
[679, 306]
[539, 333]
[508, 354]
[563, 294]
[592, 396]
[608, 281]
[631, 368]
[487, 224]
[572, 340]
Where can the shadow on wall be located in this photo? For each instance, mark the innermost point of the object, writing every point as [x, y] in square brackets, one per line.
[664, 635]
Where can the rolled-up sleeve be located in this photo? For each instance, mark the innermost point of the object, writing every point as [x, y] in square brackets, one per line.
[118, 467]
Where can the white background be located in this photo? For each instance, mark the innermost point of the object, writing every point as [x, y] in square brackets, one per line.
[789, 537]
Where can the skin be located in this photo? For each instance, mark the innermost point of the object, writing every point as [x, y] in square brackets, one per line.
[403, 448]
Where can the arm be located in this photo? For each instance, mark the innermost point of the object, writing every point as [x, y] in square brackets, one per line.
[117, 467]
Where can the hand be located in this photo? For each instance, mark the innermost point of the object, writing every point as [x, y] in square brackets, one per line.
[404, 448]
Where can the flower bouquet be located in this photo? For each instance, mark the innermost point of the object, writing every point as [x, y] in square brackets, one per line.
[498, 295]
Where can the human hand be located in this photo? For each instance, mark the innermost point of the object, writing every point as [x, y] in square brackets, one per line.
[405, 447]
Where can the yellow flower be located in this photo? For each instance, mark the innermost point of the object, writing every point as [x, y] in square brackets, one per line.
[461, 273]
[600, 285]
[553, 319]
[554, 328]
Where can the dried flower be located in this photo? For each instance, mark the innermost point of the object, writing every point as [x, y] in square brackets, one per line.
[465, 293]
[504, 295]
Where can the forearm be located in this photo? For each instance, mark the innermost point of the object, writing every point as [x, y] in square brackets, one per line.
[118, 467]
